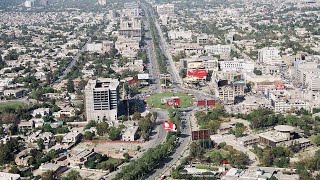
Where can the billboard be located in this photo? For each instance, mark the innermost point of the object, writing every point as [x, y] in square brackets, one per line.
[195, 65]
[201, 134]
[199, 73]
[206, 102]
[143, 76]
[169, 126]
[171, 101]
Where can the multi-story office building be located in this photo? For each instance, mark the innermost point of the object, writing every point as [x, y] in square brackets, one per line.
[218, 49]
[201, 62]
[130, 28]
[237, 65]
[131, 10]
[101, 99]
[281, 101]
[102, 2]
[269, 55]
[165, 9]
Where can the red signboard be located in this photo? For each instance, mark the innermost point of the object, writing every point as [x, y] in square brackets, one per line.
[199, 73]
[201, 134]
[201, 103]
[169, 126]
[173, 101]
[211, 102]
[206, 103]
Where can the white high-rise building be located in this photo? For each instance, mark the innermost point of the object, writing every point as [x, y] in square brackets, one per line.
[165, 9]
[102, 2]
[237, 65]
[28, 3]
[269, 55]
[101, 99]
[218, 49]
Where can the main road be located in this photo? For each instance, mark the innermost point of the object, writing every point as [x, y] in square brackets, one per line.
[75, 58]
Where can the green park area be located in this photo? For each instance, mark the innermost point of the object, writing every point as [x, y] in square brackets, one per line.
[155, 100]
[14, 105]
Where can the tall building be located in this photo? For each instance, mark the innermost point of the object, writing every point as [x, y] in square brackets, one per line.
[165, 9]
[28, 3]
[44, 2]
[269, 55]
[130, 28]
[101, 99]
[102, 2]
[240, 65]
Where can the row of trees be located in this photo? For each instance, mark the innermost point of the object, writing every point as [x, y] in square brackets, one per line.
[264, 118]
[103, 129]
[210, 120]
[276, 156]
[150, 160]
[159, 54]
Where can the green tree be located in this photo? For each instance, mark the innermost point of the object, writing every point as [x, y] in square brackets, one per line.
[240, 128]
[88, 135]
[48, 175]
[136, 116]
[40, 144]
[73, 175]
[70, 86]
[317, 140]
[126, 157]
[102, 128]
[114, 133]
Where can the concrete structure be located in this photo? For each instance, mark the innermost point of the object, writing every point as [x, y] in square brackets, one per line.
[102, 2]
[131, 10]
[41, 111]
[130, 133]
[240, 65]
[128, 47]
[269, 55]
[71, 137]
[218, 49]
[103, 47]
[9, 176]
[282, 101]
[17, 93]
[101, 99]
[200, 62]
[80, 158]
[25, 126]
[165, 9]
[248, 140]
[203, 40]
[173, 35]
[257, 173]
[226, 93]
[130, 28]
[22, 159]
[283, 135]
[28, 3]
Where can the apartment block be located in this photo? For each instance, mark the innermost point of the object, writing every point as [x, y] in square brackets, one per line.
[240, 65]
[269, 55]
[101, 99]
[165, 9]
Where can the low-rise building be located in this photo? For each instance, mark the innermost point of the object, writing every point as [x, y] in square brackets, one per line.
[130, 134]
[81, 157]
[248, 140]
[71, 137]
[17, 93]
[25, 126]
[283, 135]
[9, 176]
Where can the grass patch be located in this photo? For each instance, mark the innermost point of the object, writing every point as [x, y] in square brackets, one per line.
[155, 100]
[14, 105]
